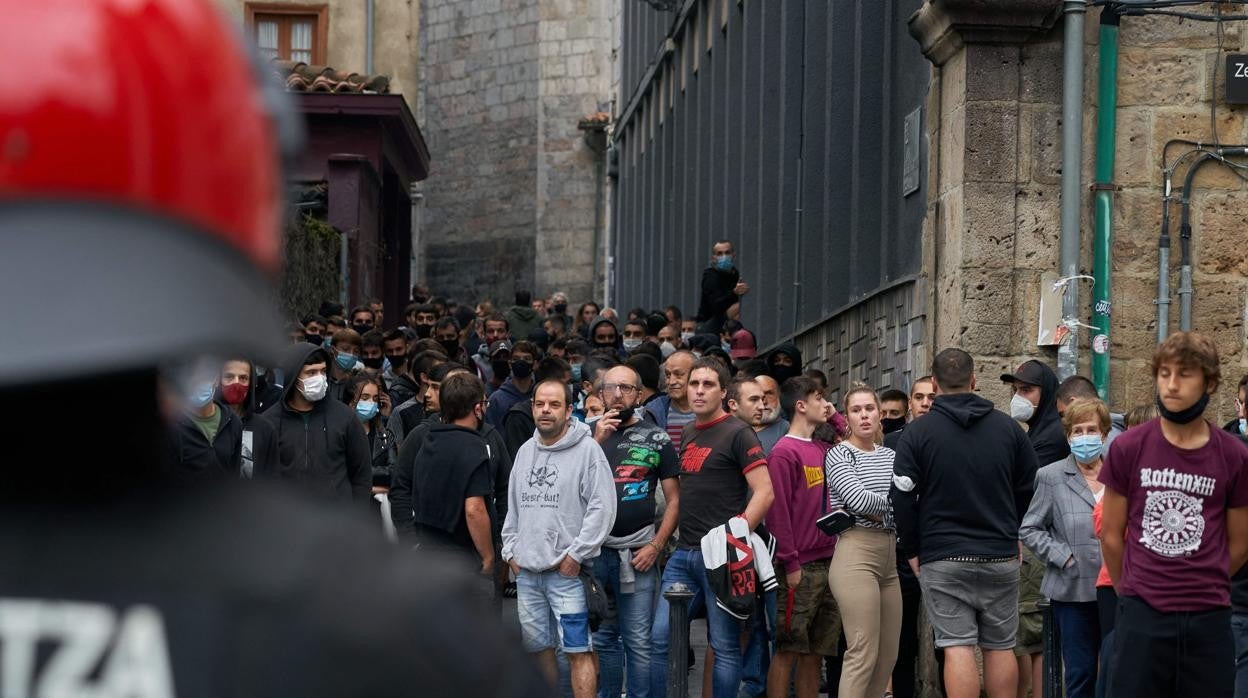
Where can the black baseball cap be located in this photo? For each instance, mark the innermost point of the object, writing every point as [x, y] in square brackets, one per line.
[1030, 372]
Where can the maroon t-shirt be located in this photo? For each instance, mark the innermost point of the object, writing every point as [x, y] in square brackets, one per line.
[1175, 556]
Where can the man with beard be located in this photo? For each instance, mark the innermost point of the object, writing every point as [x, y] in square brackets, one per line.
[774, 426]
[561, 506]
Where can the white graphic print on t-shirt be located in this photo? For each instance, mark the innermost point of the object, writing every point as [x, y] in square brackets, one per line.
[1173, 523]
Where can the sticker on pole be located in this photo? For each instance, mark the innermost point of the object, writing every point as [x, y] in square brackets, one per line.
[1100, 343]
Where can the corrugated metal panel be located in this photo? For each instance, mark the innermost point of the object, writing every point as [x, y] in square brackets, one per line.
[783, 133]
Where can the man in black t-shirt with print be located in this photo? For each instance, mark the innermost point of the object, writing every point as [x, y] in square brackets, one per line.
[723, 474]
[642, 459]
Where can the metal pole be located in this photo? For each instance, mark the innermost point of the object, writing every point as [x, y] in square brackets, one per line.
[1072, 169]
[1102, 240]
[678, 598]
[1163, 266]
[1052, 652]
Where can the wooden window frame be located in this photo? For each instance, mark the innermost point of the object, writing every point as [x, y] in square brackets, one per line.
[320, 43]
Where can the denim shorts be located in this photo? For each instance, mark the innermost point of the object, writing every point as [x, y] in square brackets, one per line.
[553, 612]
[972, 603]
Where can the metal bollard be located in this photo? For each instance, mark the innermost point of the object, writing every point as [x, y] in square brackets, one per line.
[1052, 652]
[678, 598]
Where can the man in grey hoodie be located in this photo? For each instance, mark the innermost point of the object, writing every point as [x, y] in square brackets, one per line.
[561, 506]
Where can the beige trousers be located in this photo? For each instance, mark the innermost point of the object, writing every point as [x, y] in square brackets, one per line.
[863, 578]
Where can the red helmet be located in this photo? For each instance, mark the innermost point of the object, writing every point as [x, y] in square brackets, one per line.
[140, 187]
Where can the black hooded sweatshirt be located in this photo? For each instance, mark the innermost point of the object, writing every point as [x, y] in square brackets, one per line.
[783, 373]
[962, 480]
[324, 451]
[1045, 429]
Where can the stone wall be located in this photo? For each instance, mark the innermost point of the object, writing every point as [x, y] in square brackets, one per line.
[993, 220]
[506, 84]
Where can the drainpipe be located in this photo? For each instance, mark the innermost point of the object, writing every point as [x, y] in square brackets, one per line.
[1163, 263]
[370, 22]
[1185, 243]
[1072, 152]
[1103, 211]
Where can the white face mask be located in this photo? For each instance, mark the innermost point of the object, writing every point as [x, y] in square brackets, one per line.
[686, 336]
[1021, 408]
[631, 344]
[667, 348]
[313, 388]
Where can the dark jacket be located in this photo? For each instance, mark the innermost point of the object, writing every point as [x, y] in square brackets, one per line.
[221, 458]
[381, 443]
[656, 410]
[323, 451]
[501, 401]
[259, 453]
[402, 390]
[518, 426]
[403, 473]
[718, 295]
[1045, 429]
[401, 478]
[522, 320]
[962, 481]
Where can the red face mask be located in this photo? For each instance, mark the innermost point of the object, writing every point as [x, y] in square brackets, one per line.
[234, 393]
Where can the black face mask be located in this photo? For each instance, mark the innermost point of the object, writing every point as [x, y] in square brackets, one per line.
[783, 373]
[372, 363]
[314, 339]
[1184, 416]
[521, 369]
[502, 369]
[451, 346]
[362, 329]
[561, 309]
[892, 424]
[397, 362]
[423, 331]
[626, 414]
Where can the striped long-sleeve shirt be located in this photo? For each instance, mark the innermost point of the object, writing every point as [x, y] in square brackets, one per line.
[859, 481]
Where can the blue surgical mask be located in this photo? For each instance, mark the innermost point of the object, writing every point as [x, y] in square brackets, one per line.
[723, 262]
[1087, 448]
[201, 395]
[366, 410]
[345, 361]
[576, 373]
[1243, 426]
[726, 346]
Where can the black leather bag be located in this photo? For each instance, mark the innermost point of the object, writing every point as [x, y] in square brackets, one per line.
[601, 605]
[838, 521]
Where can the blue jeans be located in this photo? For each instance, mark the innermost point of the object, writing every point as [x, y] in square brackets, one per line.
[627, 635]
[553, 612]
[1239, 631]
[686, 567]
[757, 656]
[1079, 625]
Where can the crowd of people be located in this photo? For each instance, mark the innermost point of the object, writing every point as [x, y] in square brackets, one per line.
[584, 463]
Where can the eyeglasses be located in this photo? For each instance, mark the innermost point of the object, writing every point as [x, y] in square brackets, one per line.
[623, 388]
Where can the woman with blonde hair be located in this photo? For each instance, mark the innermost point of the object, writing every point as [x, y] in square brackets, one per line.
[863, 574]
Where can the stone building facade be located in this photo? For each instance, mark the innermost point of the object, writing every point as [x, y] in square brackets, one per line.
[513, 201]
[396, 30]
[994, 176]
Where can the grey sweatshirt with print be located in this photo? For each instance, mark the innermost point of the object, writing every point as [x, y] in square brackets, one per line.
[561, 501]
